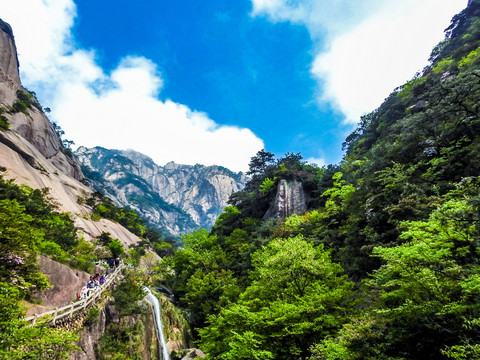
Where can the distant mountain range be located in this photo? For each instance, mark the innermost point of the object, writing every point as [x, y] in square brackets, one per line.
[174, 198]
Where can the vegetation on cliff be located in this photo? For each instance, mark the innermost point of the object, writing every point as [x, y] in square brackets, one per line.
[126, 336]
[30, 225]
[104, 207]
[383, 265]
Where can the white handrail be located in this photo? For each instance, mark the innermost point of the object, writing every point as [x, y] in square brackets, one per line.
[70, 309]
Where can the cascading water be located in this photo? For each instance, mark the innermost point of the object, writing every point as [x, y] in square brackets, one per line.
[152, 299]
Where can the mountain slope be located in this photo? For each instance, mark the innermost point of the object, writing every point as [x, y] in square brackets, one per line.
[33, 154]
[178, 198]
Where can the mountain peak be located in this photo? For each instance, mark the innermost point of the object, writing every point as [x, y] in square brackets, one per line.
[8, 56]
[178, 198]
[171, 165]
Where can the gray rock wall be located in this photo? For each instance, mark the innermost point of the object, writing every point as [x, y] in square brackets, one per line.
[65, 284]
[33, 125]
[290, 199]
[89, 334]
[8, 56]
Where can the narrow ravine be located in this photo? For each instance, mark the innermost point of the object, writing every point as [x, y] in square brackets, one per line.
[152, 299]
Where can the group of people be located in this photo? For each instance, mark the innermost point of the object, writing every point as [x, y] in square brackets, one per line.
[97, 280]
[92, 285]
[114, 262]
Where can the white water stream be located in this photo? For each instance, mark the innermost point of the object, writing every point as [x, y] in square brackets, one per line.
[152, 299]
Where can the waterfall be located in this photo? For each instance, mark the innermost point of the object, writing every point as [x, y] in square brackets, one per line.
[152, 299]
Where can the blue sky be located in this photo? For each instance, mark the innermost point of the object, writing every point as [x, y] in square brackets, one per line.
[213, 82]
[216, 58]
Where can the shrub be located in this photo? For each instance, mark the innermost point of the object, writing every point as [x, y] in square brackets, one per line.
[4, 125]
[92, 316]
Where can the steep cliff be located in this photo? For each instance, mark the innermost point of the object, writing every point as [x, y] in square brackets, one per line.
[33, 153]
[8, 61]
[96, 330]
[179, 198]
[290, 199]
[64, 285]
[24, 115]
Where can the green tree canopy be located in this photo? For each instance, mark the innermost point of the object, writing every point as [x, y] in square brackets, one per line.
[297, 296]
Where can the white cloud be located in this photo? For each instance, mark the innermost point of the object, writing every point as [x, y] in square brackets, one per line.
[373, 45]
[317, 161]
[127, 114]
[119, 110]
[333, 16]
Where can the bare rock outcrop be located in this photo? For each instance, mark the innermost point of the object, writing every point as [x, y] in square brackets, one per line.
[88, 338]
[34, 155]
[290, 199]
[193, 354]
[65, 284]
[31, 124]
[8, 57]
[37, 130]
[91, 333]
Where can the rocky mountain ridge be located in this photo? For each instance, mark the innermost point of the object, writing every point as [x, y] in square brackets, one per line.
[175, 197]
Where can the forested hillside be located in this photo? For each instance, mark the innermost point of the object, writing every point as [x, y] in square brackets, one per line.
[385, 262]
[31, 225]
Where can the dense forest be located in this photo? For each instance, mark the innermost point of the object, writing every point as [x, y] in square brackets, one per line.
[385, 262]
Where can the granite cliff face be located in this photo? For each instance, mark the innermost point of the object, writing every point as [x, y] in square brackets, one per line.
[31, 123]
[179, 198]
[8, 56]
[90, 334]
[290, 199]
[34, 155]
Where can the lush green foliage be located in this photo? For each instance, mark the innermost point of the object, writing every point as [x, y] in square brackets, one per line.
[103, 207]
[125, 339]
[121, 342]
[427, 294]
[297, 296]
[129, 292]
[383, 265]
[20, 341]
[400, 215]
[4, 124]
[25, 101]
[51, 233]
[28, 226]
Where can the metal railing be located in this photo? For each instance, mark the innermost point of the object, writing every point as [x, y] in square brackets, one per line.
[74, 307]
